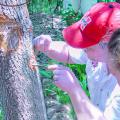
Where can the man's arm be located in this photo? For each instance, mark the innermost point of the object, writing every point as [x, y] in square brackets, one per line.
[84, 109]
[62, 52]
[65, 79]
[59, 51]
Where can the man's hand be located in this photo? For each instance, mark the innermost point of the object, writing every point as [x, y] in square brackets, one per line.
[42, 43]
[64, 78]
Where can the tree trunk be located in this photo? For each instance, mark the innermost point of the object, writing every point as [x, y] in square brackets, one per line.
[20, 86]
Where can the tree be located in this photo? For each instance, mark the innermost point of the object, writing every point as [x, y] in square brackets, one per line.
[20, 86]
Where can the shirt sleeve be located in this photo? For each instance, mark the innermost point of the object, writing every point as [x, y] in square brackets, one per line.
[78, 56]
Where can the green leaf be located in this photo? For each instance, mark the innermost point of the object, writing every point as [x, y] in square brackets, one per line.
[46, 74]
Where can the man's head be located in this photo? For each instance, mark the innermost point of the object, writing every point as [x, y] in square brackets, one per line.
[94, 29]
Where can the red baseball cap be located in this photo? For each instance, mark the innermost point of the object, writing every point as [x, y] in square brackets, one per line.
[100, 19]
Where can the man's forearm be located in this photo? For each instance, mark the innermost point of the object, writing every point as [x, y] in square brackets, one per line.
[59, 51]
[84, 109]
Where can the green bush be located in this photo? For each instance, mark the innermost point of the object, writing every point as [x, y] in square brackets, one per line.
[70, 16]
[45, 6]
[80, 73]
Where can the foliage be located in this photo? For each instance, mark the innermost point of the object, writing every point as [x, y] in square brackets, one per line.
[70, 16]
[1, 114]
[46, 6]
[50, 6]
[56, 7]
[80, 73]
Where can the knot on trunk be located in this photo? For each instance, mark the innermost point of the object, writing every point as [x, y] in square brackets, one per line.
[10, 34]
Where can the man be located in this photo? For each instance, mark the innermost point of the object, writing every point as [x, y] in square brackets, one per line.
[88, 36]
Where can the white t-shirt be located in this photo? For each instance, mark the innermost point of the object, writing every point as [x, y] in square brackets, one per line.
[102, 86]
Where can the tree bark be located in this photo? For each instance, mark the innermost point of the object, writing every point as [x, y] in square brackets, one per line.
[20, 86]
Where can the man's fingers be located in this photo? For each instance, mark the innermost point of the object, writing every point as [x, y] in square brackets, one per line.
[45, 37]
[48, 37]
[42, 38]
[56, 67]
[53, 67]
[55, 78]
[34, 41]
[60, 72]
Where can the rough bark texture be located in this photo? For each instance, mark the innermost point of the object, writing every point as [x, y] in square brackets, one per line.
[20, 87]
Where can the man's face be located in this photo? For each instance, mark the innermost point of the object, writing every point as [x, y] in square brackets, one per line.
[96, 53]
